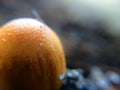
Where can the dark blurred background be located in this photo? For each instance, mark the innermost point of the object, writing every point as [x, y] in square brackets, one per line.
[88, 29]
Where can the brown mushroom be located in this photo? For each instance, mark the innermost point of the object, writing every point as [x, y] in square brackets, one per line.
[31, 56]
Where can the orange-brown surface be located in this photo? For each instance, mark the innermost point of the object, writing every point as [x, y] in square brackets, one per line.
[31, 56]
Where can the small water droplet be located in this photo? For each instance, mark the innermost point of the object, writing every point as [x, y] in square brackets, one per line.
[25, 37]
[33, 38]
[41, 44]
[9, 34]
[3, 39]
[62, 76]
[40, 26]
[34, 35]
[33, 29]
[43, 39]
[39, 38]
[51, 46]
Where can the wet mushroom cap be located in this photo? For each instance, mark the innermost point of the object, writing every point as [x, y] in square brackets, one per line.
[31, 56]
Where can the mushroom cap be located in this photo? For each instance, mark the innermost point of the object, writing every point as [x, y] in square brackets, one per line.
[31, 56]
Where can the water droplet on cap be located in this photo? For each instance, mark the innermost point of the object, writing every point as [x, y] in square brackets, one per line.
[3, 39]
[41, 44]
[51, 46]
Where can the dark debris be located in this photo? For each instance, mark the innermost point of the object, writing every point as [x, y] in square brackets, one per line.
[97, 79]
